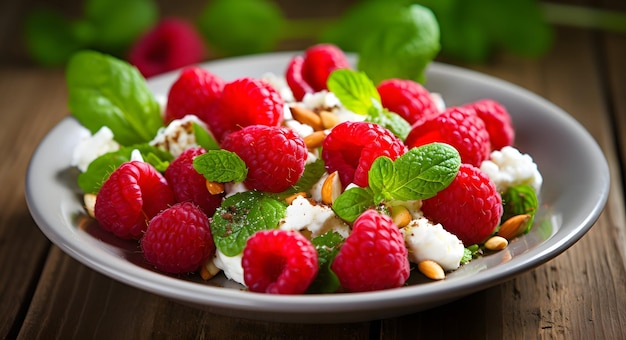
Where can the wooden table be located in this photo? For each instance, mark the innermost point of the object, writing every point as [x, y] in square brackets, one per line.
[580, 294]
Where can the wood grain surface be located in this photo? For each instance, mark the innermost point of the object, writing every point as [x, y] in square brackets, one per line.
[581, 294]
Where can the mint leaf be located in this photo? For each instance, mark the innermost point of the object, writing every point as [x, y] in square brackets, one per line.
[253, 26]
[424, 171]
[390, 121]
[518, 200]
[204, 138]
[240, 216]
[327, 246]
[382, 176]
[352, 203]
[221, 166]
[470, 253]
[311, 175]
[402, 49]
[99, 169]
[106, 91]
[354, 90]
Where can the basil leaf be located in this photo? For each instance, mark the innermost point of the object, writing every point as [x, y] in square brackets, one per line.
[49, 37]
[204, 138]
[327, 246]
[240, 216]
[354, 90]
[105, 91]
[352, 203]
[221, 166]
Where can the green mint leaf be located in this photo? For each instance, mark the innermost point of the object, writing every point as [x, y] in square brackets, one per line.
[240, 216]
[327, 246]
[49, 37]
[106, 91]
[352, 203]
[354, 90]
[470, 253]
[221, 166]
[204, 138]
[422, 172]
[311, 175]
[521, 199]
[99, 169]
[389, 120]
[253, 26]
[402, 49]
[382, 177]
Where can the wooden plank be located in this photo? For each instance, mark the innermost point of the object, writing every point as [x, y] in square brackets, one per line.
[571, 296]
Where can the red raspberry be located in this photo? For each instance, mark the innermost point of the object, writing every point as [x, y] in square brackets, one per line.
[309, 74]
[178, 240]
[279, 262]
[458, 127]
[194, 92]
[497, 120]
[373, 256]
[172, 44]
[188, 184]
[132, 195]
[351, 148]
[470, 207]
[407, 98]
[245, 101]
[275, 156]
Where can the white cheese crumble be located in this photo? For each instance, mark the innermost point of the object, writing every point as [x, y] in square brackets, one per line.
[178, 136]
[428, 241]
[318, 219]
[328, 101]
[508, 167]
[280, 84]
[230, 265]
[93, 146]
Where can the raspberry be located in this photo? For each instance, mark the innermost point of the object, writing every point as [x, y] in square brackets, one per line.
[407, 98]
[497, 120]
[309, 74]
[178, 240]
[373, 256]
[245, 101]
[470, 207]
[194, 92]
[172, 44]
[458, 127]
[351, 148]
[132, 195]
[275, 156]
[279, 262]
[188, 184]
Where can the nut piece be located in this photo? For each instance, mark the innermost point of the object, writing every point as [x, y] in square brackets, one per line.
[289, 199]
[306, 116]
[514, 226]
[209, 270]
[400, 216]
[329, 119]
[214, 188]
[331, 188]
[496, 243]
[431, 270]
[90, 204]
[314, 140]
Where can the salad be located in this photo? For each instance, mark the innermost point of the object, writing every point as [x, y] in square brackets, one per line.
[315, 181]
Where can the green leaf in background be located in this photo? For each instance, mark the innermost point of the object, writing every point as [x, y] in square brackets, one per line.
[236, 27]
[49, 37]
[402, 49]
[240, 216]
[106, 91]
[116, 24]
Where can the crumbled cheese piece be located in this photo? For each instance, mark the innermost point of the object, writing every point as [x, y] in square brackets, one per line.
[414, 207]
[302, 130]
[135, 155]
[328, 101]
[280, 84]
[318, 219]
[93, 146]
[508, 167]
[428, 241]
[234, 188]
[178, 136]
[230, 265]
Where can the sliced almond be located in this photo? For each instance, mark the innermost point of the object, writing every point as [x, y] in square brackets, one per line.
[314, 140]
[209, 270]
[431, 270]
[514, 226]
[331, 188]
[400, 215]
[329, 119]
[90, 204]
[214, 188]
[496, 243]
[306, 116]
